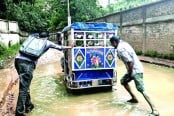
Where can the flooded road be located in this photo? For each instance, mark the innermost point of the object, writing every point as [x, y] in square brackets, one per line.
[51, 99]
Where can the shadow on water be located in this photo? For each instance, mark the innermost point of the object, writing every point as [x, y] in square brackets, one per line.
[89, 91]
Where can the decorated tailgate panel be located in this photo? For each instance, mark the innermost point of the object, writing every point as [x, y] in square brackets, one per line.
[109, 58]
[79, 58]
[94, 58]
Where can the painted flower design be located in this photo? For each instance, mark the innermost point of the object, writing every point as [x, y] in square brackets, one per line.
[95, 61]
[110, 58]
[79, 59]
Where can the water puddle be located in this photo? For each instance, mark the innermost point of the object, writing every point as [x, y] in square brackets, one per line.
[51, 99]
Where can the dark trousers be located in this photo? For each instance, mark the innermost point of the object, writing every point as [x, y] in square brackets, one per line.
[25, 71]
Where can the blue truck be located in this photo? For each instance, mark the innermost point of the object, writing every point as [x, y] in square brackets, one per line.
[91, 63]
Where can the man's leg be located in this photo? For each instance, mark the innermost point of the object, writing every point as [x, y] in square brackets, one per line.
[28, 104]
[25, 70]
[154, 110]
[62, 63]
[124, 81]
[138, 78]
[133, 99]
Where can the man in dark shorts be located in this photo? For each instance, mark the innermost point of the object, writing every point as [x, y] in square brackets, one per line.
[134, 71]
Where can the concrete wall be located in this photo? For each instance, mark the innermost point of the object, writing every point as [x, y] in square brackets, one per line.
[148, 27]
[10, 33]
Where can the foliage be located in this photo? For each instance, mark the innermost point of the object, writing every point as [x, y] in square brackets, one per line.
[29, 1]
[7, 54]
[9, 51]
[82, 10]
[138, 52]
[2, 48]
[58, 12]
[156, 54]
[151, 53]
[2, 8]
[39, 15]
[169, 56]
[125, 4]
[30, 18]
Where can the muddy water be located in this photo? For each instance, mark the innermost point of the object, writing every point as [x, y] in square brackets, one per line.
[51, 99]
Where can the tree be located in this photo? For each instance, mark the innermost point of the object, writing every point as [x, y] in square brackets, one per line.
[30, 18]
[38, 15]
[58, 15]
[124, 4]
[2, 6]
[82, 10]
[2, 9]
[18, 1]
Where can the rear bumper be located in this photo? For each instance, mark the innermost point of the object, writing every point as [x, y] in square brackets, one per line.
[84, 84]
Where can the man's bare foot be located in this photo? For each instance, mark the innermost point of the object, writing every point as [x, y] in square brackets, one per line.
[154, 113]
[133, 101]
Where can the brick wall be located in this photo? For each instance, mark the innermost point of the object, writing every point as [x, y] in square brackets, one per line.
[148, 27]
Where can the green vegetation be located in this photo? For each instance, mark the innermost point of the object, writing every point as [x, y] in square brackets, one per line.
[156, 54]
[138, 52]
[30, 18]
[121, 5]
[39, 15]
[6, 54]
[2, 48]
[151, 53]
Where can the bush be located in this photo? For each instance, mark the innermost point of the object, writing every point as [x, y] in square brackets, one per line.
[151, 53]
[2, 48]
[30, 18]
[138, 52]
[21, 41]
[169, 55]
[161, 55]
[7, 54]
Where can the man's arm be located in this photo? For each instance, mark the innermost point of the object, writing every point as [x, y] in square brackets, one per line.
[126, 57]
[55, 46]
[130, 67]
[66, 47]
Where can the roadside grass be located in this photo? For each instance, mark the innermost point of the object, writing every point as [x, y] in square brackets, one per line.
[151, 53]
[7, 54]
